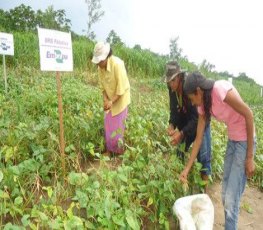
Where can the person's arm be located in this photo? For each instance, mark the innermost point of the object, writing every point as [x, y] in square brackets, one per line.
[196, 146]
[190, 128]
[108, 103]
[239, 106]
[115, 98]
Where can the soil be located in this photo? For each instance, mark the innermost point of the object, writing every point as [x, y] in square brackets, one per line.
[251, 208]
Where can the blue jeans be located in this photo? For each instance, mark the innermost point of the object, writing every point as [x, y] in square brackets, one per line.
[234, 181]
[204, 155]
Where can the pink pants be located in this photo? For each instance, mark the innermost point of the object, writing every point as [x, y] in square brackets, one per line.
[114, 131]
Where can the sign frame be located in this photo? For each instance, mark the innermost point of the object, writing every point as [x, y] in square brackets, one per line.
[6, 44]
[55, 48]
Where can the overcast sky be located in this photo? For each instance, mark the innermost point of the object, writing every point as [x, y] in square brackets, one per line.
[227, 33]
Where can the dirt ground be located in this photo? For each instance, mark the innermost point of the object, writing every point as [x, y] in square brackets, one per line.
[251, 208]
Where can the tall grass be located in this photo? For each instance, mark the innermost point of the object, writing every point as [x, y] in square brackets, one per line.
[139, 63]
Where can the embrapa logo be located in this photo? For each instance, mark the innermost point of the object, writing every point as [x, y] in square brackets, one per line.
[4, 46]
[57, 55]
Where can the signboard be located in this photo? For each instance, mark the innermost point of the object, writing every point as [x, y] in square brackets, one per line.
[6, 44]
[55, 50]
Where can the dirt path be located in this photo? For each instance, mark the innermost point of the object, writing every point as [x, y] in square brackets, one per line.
[251, 208]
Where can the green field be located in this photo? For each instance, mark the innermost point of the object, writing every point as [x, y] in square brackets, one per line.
[95, 192]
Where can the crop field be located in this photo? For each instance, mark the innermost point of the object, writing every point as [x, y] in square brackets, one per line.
[135, 190]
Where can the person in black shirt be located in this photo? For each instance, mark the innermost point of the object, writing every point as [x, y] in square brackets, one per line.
[183, 119]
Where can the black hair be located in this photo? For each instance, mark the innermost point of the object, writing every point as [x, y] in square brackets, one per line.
[207, 101]
[181, 75]
[181, 79]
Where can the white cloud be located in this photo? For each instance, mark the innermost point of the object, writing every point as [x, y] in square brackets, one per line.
[227, 33]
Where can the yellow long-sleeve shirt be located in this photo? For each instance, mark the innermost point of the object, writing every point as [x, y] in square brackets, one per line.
[114, 81]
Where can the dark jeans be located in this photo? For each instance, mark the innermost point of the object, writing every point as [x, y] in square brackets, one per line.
[204, 154]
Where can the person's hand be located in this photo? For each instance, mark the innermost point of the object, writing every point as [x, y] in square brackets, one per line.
[250, 167]
[107, 105]
[176, 138]
[170, 130]
[183, 175]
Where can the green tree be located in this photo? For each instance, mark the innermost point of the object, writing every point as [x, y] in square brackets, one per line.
[243, 77]
[225, 75]
[53, 19]
[205, 66]
[113, 38]
[24, 19]
[175, 51]
[3, 20]
[21, 18]
[137, 47]
[94, 15]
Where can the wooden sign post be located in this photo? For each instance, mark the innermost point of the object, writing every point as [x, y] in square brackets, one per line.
[56, 55]
[61, 126]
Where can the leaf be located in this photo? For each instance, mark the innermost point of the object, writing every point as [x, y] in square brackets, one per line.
[247, 208]
[78, 178]
[82, 198]
[1, 176]
[4, 195]
[33, 226]
[70, 148]
[43, 216]
[119, 220]
[167, 225]
[123, 177]
[25, 221]
[132, 222]
[185, 186]
[89, 225]
[70, 210]
[49, 191]
[74, 222]
[9, 153]
[150, 201]
[113, 134]
[18, 200]
[10, 226]
[56, 223]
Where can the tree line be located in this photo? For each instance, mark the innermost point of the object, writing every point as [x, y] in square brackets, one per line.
[24, 19]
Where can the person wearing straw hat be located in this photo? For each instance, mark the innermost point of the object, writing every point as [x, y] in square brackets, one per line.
[221, 100]
[115, 88]
[183, 119]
